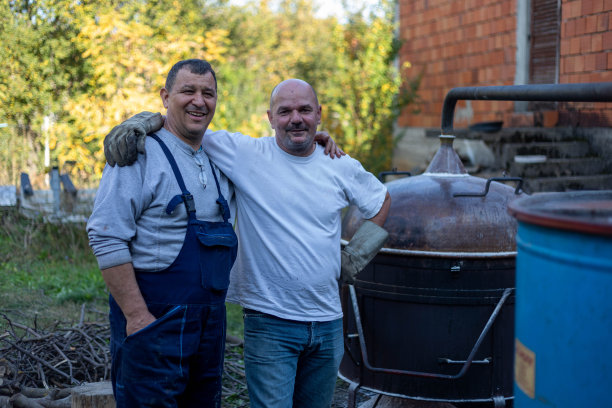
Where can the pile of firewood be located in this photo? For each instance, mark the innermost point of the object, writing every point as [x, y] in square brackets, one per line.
[38, 368]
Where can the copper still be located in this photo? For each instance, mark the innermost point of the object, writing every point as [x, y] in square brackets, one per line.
[432, 316]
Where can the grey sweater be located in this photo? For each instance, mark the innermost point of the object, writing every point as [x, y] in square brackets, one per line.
[129, 221]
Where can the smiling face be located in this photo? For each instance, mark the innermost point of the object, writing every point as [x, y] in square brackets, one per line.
[191, 103]
[294, 115]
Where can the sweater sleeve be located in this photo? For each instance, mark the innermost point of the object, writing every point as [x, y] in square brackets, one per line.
[117, 206]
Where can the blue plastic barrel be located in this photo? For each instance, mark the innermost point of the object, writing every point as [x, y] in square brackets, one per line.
[563, 311]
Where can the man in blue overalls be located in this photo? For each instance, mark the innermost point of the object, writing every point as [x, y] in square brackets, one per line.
[162, 234]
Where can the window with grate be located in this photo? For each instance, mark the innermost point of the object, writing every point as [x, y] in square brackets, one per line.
[544, 53]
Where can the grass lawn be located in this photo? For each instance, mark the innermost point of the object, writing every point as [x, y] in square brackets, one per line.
[48, 272]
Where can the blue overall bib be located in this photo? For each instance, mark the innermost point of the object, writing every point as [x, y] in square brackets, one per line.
[177, 361]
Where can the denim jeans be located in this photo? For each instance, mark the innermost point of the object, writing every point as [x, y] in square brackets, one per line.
[290, 363]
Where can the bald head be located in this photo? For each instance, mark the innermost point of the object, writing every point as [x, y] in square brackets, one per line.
[290, 83]
[294, 115]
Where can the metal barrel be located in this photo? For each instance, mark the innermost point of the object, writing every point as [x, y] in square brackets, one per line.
[563, 310]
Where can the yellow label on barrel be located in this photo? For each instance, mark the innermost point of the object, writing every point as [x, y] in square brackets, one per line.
[524, 368]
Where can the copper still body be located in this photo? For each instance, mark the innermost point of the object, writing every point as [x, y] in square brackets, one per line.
[431, 317]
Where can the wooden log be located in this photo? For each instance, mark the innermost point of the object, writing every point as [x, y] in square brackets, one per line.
[93, 395]
[21, 401]
[58, 403]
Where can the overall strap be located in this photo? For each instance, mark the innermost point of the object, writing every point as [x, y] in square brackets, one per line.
[186, 196]
[225, 211]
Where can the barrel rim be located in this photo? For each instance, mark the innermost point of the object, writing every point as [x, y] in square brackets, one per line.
[441, 254]
[533, 210]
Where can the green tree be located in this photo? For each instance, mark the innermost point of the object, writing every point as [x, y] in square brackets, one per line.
[88, 65]
[350, 64]
[39, 69]
[267, 46]
[130, 47]
[364, 94]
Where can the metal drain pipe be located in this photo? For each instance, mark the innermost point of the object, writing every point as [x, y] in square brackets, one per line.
[589, 92]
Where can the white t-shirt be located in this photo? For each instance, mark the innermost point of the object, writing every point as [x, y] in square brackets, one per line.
[288, 223]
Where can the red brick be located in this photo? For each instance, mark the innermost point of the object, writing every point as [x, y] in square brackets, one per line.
[508, 8]
[585, 44]
[483, 13]
[601, 61]
[608, 5]
[596, 44]
[607, 40]
[479, 30]
[573, 9]
[579, 64]
[580, 26]
[499, 57]
[574, 47]
[590, 24]
[570, 28]
[598, 6]
[570, 65]
[489, 43]
[587, 7]
[589, 62]
[610, 60]
[562, 62]
[606, 76]
[602, 22]
[564, 46]
[569, 79]
[471, 32]
[565, 12]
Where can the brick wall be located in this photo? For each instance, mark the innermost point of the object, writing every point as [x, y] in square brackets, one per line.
[473, 43]
[586, 56]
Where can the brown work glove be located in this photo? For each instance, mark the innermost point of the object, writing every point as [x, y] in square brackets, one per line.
[364, 246]
[126, 140]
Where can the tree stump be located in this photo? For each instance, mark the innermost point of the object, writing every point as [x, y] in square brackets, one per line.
[93, 395]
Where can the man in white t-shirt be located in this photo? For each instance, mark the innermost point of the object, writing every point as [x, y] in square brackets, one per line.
[289, 202]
